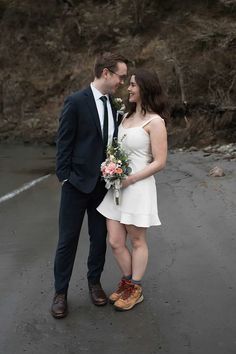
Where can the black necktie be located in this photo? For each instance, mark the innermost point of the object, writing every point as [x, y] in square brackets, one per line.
[105, 122]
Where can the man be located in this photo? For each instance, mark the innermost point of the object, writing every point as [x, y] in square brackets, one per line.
[87, 125]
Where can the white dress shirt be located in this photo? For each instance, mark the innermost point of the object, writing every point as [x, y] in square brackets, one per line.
[100, 108]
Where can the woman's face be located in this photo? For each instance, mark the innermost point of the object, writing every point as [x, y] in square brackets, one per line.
[134, 91]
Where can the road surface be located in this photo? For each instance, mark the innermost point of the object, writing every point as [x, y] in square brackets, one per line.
[189, 286]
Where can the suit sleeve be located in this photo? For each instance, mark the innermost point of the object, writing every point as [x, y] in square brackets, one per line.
[65, 139]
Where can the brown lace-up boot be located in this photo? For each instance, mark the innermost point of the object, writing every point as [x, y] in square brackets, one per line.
[130, 297]
[123, 284]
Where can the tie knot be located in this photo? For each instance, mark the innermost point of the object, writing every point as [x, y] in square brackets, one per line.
[104, 99]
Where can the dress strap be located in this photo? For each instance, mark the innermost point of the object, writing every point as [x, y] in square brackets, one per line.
[123, 118]
[150, 121]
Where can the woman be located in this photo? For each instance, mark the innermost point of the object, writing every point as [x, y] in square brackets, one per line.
[143, 135]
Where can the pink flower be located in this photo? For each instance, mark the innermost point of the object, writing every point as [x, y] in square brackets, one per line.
[110, 168]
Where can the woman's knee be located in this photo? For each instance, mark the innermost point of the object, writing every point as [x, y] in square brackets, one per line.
[138, 242]
[138, 238]
[115, 242]
[116, 234]
[135, 231]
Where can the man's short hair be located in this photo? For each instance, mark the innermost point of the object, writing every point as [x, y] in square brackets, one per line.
[109, 61]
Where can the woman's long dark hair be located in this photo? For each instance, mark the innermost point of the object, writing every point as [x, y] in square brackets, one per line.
[152, 96]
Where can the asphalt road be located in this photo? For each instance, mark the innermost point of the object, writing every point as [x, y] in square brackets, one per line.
[189, 286]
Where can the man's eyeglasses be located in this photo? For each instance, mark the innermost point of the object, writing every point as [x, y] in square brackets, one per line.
[121, 77]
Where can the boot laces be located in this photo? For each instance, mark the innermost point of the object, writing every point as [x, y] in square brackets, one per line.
[60, 298]
[122, 285]
[128, 291]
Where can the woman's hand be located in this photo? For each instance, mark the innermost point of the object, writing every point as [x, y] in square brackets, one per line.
[127, 181]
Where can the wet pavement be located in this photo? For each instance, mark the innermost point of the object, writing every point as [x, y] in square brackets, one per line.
[189, 286]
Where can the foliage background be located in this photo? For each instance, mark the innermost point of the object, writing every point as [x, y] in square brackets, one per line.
[47, 50]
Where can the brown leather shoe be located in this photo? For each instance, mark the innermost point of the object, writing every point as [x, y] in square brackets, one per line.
[97, 294]
[59, 306]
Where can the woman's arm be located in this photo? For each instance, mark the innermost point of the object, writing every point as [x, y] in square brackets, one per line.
[158, 137]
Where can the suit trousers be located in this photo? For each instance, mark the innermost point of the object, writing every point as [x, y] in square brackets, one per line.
[73, 206]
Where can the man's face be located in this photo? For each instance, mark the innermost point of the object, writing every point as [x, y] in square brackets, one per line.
[114, 79]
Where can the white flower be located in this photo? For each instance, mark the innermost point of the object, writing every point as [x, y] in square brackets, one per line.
[119, 105]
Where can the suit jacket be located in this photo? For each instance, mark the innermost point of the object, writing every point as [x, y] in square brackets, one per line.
[80, 150]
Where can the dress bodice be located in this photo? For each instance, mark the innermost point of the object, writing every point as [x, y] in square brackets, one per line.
[136, 142]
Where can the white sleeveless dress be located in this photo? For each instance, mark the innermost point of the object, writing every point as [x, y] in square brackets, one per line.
[138, 202]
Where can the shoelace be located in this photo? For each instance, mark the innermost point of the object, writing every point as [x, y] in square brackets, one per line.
[123, 284]
[60, 298]
[128, 291]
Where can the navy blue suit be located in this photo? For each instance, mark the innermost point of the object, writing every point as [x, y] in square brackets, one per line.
[80, 152]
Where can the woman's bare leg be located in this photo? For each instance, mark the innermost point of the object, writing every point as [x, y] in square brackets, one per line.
[140, 250]
[117, 238]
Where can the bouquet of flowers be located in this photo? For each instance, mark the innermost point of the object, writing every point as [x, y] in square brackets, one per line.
[115, 168]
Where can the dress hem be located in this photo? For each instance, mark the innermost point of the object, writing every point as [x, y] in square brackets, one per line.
[124, 220]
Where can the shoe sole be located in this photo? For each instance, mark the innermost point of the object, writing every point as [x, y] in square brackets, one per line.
[60, 315]
[100, 304]
[130, 307]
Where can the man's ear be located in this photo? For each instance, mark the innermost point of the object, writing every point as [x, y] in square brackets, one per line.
[105, 73]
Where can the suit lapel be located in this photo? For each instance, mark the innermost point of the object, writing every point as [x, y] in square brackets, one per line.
[93, 108]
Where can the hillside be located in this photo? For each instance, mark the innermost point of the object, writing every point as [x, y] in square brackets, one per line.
[48, 47]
